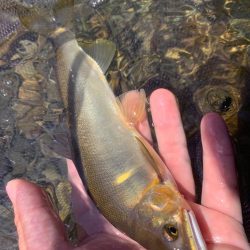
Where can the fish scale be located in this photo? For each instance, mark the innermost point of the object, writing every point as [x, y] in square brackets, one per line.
[109, 151]
[86, 120]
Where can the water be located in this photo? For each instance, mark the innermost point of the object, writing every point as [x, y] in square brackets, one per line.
[32, 118]
[199, 49]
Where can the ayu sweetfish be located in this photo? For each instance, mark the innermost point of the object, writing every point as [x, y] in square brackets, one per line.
[126, 178]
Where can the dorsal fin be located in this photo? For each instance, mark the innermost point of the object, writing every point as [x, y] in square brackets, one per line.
[102, 51]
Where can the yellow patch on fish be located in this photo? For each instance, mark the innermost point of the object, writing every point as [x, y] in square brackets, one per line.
[124, 176]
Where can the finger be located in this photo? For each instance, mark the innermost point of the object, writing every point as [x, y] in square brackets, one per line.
[219, 177]
[220, 231]
[171, 139]
[109, 242]
[37, 224]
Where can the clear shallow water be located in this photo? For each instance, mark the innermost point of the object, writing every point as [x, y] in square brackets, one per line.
[198, 49]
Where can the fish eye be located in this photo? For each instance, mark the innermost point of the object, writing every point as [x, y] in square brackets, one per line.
[170, 232]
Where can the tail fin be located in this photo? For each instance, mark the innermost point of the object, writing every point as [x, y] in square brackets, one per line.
[45, 16]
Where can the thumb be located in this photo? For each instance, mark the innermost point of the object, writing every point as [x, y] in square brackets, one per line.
[38, 226]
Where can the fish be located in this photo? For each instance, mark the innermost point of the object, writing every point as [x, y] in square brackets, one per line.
[128, 181]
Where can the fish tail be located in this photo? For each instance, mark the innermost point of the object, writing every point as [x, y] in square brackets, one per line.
[45, 16]
[133, 105]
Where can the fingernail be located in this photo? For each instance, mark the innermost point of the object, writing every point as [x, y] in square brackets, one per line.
[11, 190]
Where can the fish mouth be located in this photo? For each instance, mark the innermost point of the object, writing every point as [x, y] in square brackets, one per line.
[193, 232]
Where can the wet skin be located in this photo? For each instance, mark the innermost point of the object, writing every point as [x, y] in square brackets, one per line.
[219, 215]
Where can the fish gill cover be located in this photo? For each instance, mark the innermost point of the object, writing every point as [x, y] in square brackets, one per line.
[199, 49]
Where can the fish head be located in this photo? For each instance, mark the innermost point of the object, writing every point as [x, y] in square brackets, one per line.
[163, 220]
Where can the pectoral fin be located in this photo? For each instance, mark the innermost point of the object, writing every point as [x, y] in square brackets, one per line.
[102, 51]
[156, 162]
[132, 105]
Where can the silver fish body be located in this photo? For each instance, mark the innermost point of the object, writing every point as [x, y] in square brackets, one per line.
[98, 127]
[122, 172]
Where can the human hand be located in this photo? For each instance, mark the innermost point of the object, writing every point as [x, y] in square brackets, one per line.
[219, 215]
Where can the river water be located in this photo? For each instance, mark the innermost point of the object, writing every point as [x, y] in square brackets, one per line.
[199, 49]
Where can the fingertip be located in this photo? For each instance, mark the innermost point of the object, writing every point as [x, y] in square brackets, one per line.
[209, 117]
[215, 136]
[213, 122]
[161, 97]
[12, 187]
[165, 110]
[11, 190]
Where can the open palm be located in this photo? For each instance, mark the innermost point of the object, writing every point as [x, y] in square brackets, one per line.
[219, 214]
